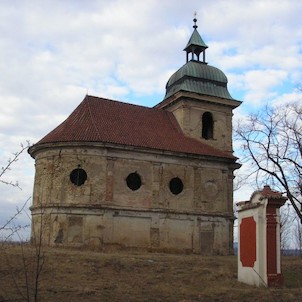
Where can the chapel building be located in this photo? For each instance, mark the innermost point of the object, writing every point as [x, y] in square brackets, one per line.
[161, 178]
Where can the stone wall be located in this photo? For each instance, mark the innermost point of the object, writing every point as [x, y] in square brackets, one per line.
[104, 210]
[148, 230]
[189, 109]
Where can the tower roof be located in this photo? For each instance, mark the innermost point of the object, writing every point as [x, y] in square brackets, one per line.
[199, 78]
[196, 75]
[195, 40]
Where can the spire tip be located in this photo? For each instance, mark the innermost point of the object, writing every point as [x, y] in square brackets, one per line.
[195, 20]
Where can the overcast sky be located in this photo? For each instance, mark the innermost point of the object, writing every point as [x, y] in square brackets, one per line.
[52, 53]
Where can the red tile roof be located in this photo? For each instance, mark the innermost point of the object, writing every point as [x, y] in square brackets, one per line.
[269, 193]
[102, 120]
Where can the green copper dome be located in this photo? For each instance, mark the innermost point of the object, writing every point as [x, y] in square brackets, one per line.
[196, 75]
[200, 78]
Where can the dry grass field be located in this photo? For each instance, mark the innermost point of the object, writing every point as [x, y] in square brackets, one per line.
[81, 275]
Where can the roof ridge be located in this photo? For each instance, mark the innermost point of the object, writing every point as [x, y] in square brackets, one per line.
[120, 102]
[93, 121]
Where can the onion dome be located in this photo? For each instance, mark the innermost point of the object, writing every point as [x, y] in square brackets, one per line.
[196, 75]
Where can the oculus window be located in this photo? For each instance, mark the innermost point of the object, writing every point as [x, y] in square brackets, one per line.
[176, 186]
[78, 176]
[134, 181]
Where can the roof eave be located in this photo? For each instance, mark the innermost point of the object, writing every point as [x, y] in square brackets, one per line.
[168, 100]
[35, 149]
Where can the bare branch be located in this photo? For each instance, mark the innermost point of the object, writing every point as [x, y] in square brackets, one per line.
[7, 226]
[272, 149]
[10, 162]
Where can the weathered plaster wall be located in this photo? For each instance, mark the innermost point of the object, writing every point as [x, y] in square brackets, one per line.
[104, 210]
[150, 230]
[189, 114]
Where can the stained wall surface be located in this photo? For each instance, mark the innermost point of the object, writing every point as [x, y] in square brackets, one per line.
[105, 211]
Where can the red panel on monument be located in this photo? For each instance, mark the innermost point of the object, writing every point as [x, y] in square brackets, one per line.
[248, 242]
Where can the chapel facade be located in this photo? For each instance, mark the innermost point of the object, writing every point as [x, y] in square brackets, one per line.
[161, 178]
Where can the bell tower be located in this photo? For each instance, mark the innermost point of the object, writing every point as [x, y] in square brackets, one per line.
[197, 95]
[196, 46]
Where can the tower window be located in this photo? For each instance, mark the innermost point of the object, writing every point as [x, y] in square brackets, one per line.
[207, 125]
[78, 176]
[176, 186]
[134, 181]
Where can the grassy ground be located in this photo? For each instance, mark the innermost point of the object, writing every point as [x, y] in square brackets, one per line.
[79, 275]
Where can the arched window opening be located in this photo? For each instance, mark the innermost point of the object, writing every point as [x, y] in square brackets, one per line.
[78, 176]
[176, 186]
[134, 181]
[207, 125]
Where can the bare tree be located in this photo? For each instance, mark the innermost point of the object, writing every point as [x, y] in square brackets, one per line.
[298, 237]
[271, 146]
[32, 259]
[10, 162]
[287, 219]
[240, 180]
[10, 228]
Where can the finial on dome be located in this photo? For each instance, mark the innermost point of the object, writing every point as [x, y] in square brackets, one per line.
[195, 20]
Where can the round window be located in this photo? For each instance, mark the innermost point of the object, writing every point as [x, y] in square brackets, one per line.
[133, 181]
[176, 186]
[78, 176]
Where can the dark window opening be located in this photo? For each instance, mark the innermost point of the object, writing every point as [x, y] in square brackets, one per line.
[134, 181]
[176, 186]
[207, 125]
[78, 176]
